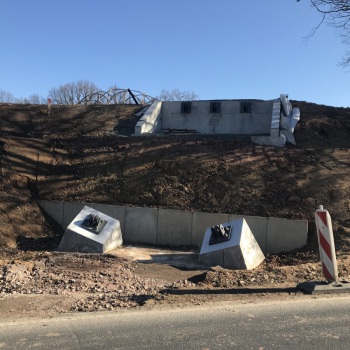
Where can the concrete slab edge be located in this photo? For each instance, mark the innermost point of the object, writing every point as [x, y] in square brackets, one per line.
[319, 287]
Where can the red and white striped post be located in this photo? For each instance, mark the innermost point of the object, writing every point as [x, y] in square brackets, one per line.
[326, 244]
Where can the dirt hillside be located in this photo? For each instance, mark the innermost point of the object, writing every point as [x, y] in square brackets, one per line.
[87, 154]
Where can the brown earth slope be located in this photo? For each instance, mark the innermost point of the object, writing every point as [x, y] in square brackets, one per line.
[87, 154]
[74, 155]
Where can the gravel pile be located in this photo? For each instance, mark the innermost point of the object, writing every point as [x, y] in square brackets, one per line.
[107, 282]
[274, 271]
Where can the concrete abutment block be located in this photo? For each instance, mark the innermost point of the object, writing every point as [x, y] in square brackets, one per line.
[77, 238]
[240, 252]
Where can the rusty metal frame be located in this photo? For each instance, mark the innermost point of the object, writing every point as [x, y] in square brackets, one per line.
[117, 96]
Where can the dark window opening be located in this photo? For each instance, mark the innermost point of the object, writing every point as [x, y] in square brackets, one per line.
[215, 107]
[186, 107]
[246, 107]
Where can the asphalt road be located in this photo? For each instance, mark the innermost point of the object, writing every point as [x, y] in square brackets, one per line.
[314, 323]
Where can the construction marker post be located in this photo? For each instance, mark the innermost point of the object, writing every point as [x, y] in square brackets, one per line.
[326, 244]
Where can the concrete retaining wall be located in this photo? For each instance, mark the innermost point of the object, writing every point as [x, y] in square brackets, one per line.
[141, 225]
[282, 233]
[176, 227]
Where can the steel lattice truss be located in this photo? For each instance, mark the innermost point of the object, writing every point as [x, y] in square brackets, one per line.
[117, 96]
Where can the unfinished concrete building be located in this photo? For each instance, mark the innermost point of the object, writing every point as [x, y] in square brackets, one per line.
[269, 122]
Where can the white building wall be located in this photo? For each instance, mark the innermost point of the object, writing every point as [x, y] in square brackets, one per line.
[228, 121]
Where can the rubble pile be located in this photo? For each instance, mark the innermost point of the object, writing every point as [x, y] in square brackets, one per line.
[107, 281]
[273, 272]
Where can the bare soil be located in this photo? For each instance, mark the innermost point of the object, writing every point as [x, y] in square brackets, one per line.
[87, 154]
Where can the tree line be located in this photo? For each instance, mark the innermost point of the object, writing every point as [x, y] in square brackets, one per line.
[8, 97]
[72, 93]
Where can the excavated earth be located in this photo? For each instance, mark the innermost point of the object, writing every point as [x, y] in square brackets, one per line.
[87, 154]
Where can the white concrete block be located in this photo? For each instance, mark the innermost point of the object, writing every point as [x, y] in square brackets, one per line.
[150, 121]
[258, 226]
[278, 141]
[79, 239]
[240, 252]
[276, 114]
[287, 106]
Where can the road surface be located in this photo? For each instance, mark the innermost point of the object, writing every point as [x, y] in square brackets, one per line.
[312, 323]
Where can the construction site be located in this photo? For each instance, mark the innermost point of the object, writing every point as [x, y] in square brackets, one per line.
[157, 159]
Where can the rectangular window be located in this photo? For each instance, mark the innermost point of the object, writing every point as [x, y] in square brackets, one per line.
[186, 107]
[215, 107]
[246, 107]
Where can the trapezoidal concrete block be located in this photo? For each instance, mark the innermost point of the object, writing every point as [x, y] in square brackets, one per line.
[77, 238]
[258, 226]
[240, 252]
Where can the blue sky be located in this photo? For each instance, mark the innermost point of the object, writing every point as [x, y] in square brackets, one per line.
[222, 49]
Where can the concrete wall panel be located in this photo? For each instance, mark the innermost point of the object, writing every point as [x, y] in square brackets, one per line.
[258, 226]
[284, 235]
[71, 210]
[141, 225]
[201, 221]
[53, 209]
[174, 227]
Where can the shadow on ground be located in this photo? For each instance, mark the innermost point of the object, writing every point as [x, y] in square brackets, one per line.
[288, 290]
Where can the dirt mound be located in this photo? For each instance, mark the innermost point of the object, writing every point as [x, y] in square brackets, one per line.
[22, 222]
[35, 121]
[103, 281]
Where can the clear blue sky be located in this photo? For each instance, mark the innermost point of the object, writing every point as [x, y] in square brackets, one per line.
[222, 49]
